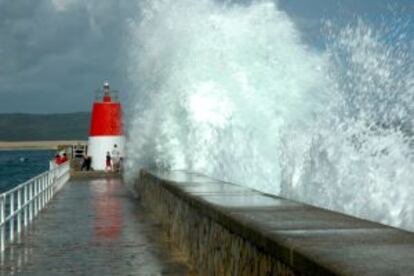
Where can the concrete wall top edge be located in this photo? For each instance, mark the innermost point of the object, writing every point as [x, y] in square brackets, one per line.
[304, 237]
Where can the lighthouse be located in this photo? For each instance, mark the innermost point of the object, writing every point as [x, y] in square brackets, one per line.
[106, 132]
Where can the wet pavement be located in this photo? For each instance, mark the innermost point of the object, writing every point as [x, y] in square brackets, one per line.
[93, 227]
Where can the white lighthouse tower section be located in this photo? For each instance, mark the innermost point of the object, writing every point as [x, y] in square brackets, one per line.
[100, 145]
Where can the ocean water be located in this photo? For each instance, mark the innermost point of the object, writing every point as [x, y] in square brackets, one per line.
[19, 166]
[231, 90]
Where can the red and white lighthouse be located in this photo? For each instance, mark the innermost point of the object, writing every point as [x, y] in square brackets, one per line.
[106, 130]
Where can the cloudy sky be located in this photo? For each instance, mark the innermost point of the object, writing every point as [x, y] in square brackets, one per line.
[55, 53]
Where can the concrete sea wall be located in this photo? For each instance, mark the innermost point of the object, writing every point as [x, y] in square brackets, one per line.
[226, 229]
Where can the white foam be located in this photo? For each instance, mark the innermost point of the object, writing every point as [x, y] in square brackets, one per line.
[230, 90]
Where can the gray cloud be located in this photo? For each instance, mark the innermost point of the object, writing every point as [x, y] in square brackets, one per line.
[54, 53]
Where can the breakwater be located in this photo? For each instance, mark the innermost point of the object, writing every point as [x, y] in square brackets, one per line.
[37, 145]
[226, 229]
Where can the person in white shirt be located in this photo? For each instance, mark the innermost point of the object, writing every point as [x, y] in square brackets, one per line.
[116, 156]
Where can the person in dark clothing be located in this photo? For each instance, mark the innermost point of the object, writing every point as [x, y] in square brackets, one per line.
[108, 165]
[87, 161]
[64, 158]
[83, 167]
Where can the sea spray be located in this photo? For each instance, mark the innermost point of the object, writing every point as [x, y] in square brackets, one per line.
[359, 159]
[231, 91]
[215, 83]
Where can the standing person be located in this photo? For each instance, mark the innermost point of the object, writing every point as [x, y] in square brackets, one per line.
[121, 164]
[84, 163]
[116, 155]
[87, 162]
[64, 158]
[108, 166]
[58, 159]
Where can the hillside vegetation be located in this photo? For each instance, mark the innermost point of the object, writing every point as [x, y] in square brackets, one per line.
[40, 127]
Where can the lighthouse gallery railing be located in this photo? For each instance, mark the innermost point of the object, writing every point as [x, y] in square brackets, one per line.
[20, 205]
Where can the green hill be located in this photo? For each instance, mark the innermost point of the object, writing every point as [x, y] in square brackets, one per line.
[39, 127]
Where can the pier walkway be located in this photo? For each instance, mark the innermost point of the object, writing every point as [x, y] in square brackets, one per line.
[92, 227]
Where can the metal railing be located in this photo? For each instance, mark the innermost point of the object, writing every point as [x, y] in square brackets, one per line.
[20, 205]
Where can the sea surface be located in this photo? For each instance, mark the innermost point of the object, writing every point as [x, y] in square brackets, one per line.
[21, 165]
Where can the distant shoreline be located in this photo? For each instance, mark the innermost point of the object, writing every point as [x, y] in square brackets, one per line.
[37, 145]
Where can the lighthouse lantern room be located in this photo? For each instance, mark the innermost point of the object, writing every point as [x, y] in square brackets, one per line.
[106, 130]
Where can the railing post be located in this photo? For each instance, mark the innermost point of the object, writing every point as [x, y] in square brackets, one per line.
[3, 226]
[42, 185]
[34, 198]
[19, 214]
[49, 185]
[11, 222]
[41, 193]
[31, 201]
[45, 190]
[26, 206]
[55, 180]
[37, 197]
[52, 185]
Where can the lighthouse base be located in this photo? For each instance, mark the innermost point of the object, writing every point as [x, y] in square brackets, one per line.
[98, 147]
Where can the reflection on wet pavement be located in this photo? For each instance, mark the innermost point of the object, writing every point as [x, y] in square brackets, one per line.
[92, 227]
[108, 210]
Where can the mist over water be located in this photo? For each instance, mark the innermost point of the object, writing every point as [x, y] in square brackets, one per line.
[232, 91]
